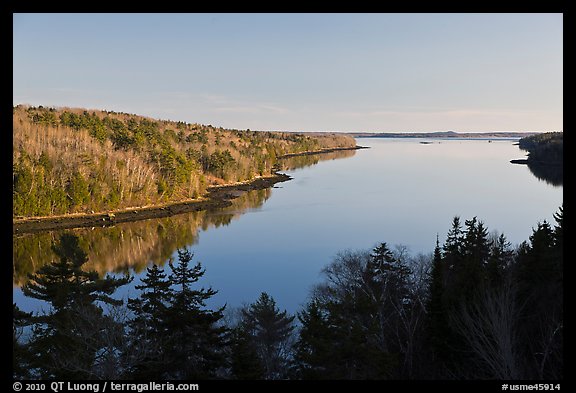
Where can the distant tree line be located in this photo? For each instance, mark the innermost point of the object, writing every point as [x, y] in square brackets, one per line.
[74, 160]
[545, 156]
[475, 308]
[544, 149]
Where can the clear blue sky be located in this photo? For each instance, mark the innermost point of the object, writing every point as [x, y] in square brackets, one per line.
[300, 72]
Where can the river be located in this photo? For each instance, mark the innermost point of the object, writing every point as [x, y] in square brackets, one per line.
[399, 191]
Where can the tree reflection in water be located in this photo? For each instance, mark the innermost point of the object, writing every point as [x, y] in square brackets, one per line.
[132, 246]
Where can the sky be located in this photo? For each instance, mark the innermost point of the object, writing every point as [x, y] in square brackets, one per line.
[300, 72]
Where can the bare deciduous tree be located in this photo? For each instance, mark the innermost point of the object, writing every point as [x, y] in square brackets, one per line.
[488, 324]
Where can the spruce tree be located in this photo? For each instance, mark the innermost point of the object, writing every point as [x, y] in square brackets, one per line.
[316, 351]
[21, 354]
[244, 360]
[453, 246]
[195, 338]
[146, 357]
[500, 259]
[539, 272]
[69, 339]
[387, 276]
[270, 330]
[438, 329]
[470, 273]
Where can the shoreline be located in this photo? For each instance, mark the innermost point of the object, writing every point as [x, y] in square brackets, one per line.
[322, 151]
[216, 197]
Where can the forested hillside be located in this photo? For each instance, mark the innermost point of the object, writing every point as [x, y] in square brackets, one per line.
[75, 160]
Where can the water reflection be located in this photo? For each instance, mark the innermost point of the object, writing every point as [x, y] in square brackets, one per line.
[133, 245]
[130, 245]
[298, 162]
[551, 174]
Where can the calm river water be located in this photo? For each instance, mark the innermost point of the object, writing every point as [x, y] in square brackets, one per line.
[399, 191]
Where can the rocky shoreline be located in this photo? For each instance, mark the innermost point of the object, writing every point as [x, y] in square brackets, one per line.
[216, 197]
[331, 150]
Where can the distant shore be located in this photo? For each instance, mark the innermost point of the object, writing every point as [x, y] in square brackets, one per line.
[443, 134]
[216, 197]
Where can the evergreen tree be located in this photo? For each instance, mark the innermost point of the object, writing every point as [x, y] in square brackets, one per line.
[536, 266]
[539, 273]
[387, 276]
[21, 355]
[244, 359]
[195, 341]
[316, 351]
[438, 329]
[476, 244]
[453, 246]
[270, 330]
[558, 249]
[146, 355]
[453, 256]
[476, 249]
[466, 252]
[500, 259]
[68, 341]
[367, 305]
[390, 301]
[150, 307]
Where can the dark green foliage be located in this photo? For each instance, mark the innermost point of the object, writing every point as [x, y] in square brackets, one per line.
[175, 336]
[559, 236]
[77, 190]
[244, 360]
[438, 330]
[146, 357]
[71, 120]
[546, 148]
[44, 161]
[269, 331]
[21, 355]
[494, 308]
[64, 283]
[316, 349]
[453, 245]
[195, 341]
[67, 342]
[501, 257]
[217, 163]
[358, 325]
[387, 277]
[46, 118]
[470, 259]
[539, 270]
[121, 137]
[546, 156]
[475, 249]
